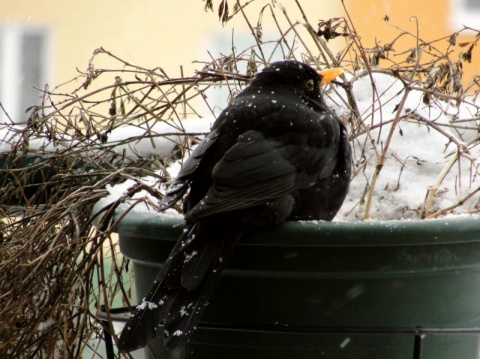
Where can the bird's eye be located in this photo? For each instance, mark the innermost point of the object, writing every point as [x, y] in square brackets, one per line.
[310, 84]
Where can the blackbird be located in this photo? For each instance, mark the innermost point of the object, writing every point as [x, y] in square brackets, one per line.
[275, 154]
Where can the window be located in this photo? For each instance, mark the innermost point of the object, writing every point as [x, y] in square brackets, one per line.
[473, 4]
[464, 13]
[24, 63]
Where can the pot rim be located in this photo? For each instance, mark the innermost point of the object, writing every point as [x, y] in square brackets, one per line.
[321, 233]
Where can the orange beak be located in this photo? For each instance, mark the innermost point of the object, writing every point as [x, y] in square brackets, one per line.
[329, 75]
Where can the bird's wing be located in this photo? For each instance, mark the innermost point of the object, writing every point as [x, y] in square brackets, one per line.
[180, 185]
[257, 169]
[323, 200]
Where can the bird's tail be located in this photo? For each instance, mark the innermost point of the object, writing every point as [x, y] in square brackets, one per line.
[184, 285]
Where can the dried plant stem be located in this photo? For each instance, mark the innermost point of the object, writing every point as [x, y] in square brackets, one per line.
[252, 31]
[445, 210]
[381, 160]
[432, 191]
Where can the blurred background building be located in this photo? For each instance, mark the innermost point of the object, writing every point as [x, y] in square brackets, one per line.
[46, 42]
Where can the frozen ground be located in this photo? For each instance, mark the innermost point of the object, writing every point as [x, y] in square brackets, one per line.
[422, 152]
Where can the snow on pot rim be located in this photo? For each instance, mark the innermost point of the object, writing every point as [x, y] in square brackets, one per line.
[320, 233]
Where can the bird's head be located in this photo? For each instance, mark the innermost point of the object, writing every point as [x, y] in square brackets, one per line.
[296, 75]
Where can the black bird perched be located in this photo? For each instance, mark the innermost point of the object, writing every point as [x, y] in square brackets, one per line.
[275, 154]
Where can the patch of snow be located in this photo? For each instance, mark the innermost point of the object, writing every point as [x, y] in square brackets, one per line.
[146, 305]
[45, 324]
[416, 156]
[143, 201]
[132, 140]
[183, 311]
[345, 342]
[188, 257]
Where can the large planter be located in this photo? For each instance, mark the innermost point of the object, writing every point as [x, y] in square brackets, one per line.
[286, 288]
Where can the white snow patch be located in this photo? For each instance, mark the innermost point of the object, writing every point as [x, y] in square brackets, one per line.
[45, 324]
[345, 342]
[143, 202]
[188, 257]
[147, 305]
[183, 311]
[143, 140]
[416, 156]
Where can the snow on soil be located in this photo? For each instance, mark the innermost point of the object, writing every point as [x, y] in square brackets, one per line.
[133, 141]
[416, 156]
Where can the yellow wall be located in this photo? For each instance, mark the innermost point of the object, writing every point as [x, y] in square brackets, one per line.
[434, 22]
[368, 17]
[170, 33]
[148, 33]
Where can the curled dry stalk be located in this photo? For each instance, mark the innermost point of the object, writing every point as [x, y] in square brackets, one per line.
[381, 160]
[393, 128]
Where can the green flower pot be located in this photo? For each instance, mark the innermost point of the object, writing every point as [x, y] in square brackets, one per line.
[286, 288]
